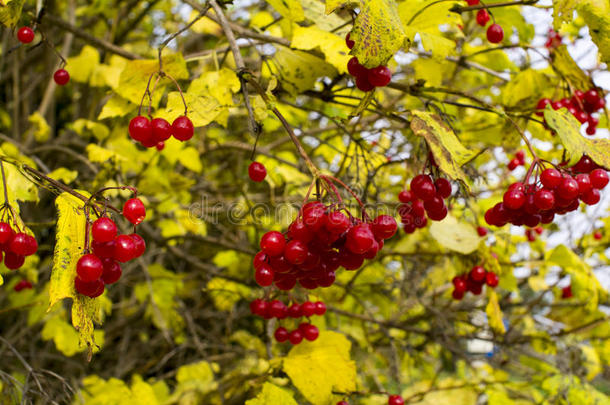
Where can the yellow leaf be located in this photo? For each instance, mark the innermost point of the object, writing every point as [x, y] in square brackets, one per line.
[11, 12]
[568, 129]
[85, 128]
[494, 313]
[19, 188]
[454, 235]
[525, 88]
[81, 67]
[102, 155]
[563, 11]
[226, 293]
[196, 377]
[64, 175]
[591, 361]
[378, 32]
[320, 367]
[116, 106]
[201, 109]
[596, 14]
[315, 12]
[569, 69]
[40, 127]
[64, 336]
[448, 151]
[333, 46]
[189, 157]
[290, 9]
[272, 394]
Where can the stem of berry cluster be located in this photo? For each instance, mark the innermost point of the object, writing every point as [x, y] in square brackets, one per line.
[349, 190]
[4, 183]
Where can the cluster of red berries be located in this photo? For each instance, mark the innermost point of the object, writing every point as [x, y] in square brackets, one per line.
[553, 39]
[257, 172]
[97, 269]
[558, 192]
[154, 133]
[495, 34]
[319, 241]
[277, 309]
[473, 281]
[518, 160]
[16, 246]
[367, 79]
[581, 105]
[424, 200]
[22, 285]
[25, 35]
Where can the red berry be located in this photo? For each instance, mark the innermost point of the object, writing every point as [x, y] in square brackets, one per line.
[443, 187]
[363, 84]
[360, 239]
[19, 244]
[310, 332]
[482, 17]
[25, 35]
[91, 289]
[258, 307]
[308, 308]
[514, 199]
[140, 129]
[89, 267]
[13, 261]
[182, 128]
[314, 216]
[495, 34]
[257, 172]
[584, 165]
[477, 273]
[599, 178]
[568, 189]
[472, 2]
[6, 233]
[103, 250]
[294, 311]
[491, 279]
[336, 222]
[320, 308]
[542, 103]
[422, 187]
[263, 276]
[379, 76]
[457, 294]
[103, 230]
[140, 244]
[459, 284]
[597, 235]
[22, 285]
[124, 248]
[273, 243]
[299, 230]
[395, 400]
[550, 178]
[134, 210]
[584, 183]
[160, 146]
[350, 44]
[355, 69]
[281, 334]
[544, 199]
[161, 130]
[295, 252]
[112, 271]
[295, 337]
[277, 309]
[591, 197]
[566, 292]
[61, 77]
[513, 164]
[591, 97]
[405, 196]
[481, 231]
[520, 155]
[384, 227]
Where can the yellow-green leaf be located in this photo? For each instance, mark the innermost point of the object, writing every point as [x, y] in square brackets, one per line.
[272, 394]
[290, 9]
[189, 157]
[332, 46]
[568, 129]
[19, 188]
[320, 367]
[596, 14]
[563, 11]
[448, 151]
[494, 313]
[116, 106]
[454, 235]
[64, 175]
[525, 88]
[40, 127]
[569, 69]
[226, 293]
[81, 67]
[11, 12]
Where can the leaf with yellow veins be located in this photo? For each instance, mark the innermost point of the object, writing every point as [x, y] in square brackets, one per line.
[320, 367]
[449, 153]
[494, 313]
[332, 46]
[568, 129]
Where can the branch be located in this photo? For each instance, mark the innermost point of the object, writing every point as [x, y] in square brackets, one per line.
[462, 9]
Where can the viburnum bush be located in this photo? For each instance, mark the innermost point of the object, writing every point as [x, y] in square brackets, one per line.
[304, 202]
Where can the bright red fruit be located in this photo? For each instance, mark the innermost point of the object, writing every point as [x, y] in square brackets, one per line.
[91, 289]
[360, 239]
[512, 165]
[22, 285]
[422, 187]
[295, 252]
[139, 243]
[308, 308]
[514, 199]
[182, 128]
[103, 229]
[320, 308]
[124, 248]
[472, 2]
[384, 227]
[161, 130]
[457, 294]
[19, 244]
[295, 337]
[281, 334]
[544, 199]
[477, 273]
[491, 279]
[273, 243]
[257, 172]
[568, 189]
[336, 222]
[597, 235]
[6, 232]
[355, 69]
[379, 76]
[294, 311]
[482, 17]
[25, 35]
[443, 187]
[599, 178]
[277, 309]
[495, 34]
[481, 231]
[310, 332]
[566, 292]
[140, 129]
[395, 400]
[350, 44]
[103, 250]
[263, 275]
[363, 84]
[89, 267]
[550, 178]
[405, 196]
[111, 271]
[134, 210]
[13, 261]
[542, 103]
[160, 146]
[61, 77]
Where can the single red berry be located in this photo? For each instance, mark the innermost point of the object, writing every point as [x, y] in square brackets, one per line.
[599, 178]
[124, 248]
[103, 250]
[308, 308]
[520, 155]
[320, 308]
[336, 222]
[6, 233]
[139, 243]
[103, 229]
[584, 165]
[443, 187]
[384, 227]
[281, 334]
[457, 294]
[597, 235]
[273, 243]
[258, 307]
[314, 215]
[513, 164]
[350, 44]
[277, 309]
[182, 128]
[111, 271]
[591, 197]
[89, 267]
[591, 97]
[363, 84]
[13, 261]
[482, 17]
[140, 129]
[19, 244]
[263, 276]
[25, 35]
[355, 69]
[134, 210]
[295, 252]
[472, 2]
[295, 337]
[514, 199]
[477, 273]
[568, 189]
[310, 332]
[22, 285]
[405, 196]
[360, 239]
[584, 183]
[395, 400]
[459, 283]
[495, 34]
[294, 311]
[542, 103]
[61, 77]
[91, 289]
[481, 231]
[161, 130]
[492, 279]
[423, 187]
[566, 292]
[544, 199]
[379, 76]
[550, 178]
[257, 172]
[160, 146]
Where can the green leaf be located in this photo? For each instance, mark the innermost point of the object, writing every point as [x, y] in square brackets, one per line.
[454, 235]
[494, 313]
[272, 394]
[10, 12]
[596, 14]
[568, 129]
[525, 89]
[378, 32]
[320, 367]
[332, 46]
[448, 151]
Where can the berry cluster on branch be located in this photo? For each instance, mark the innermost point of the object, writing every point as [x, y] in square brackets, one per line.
[582, 105]
[367, 79]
